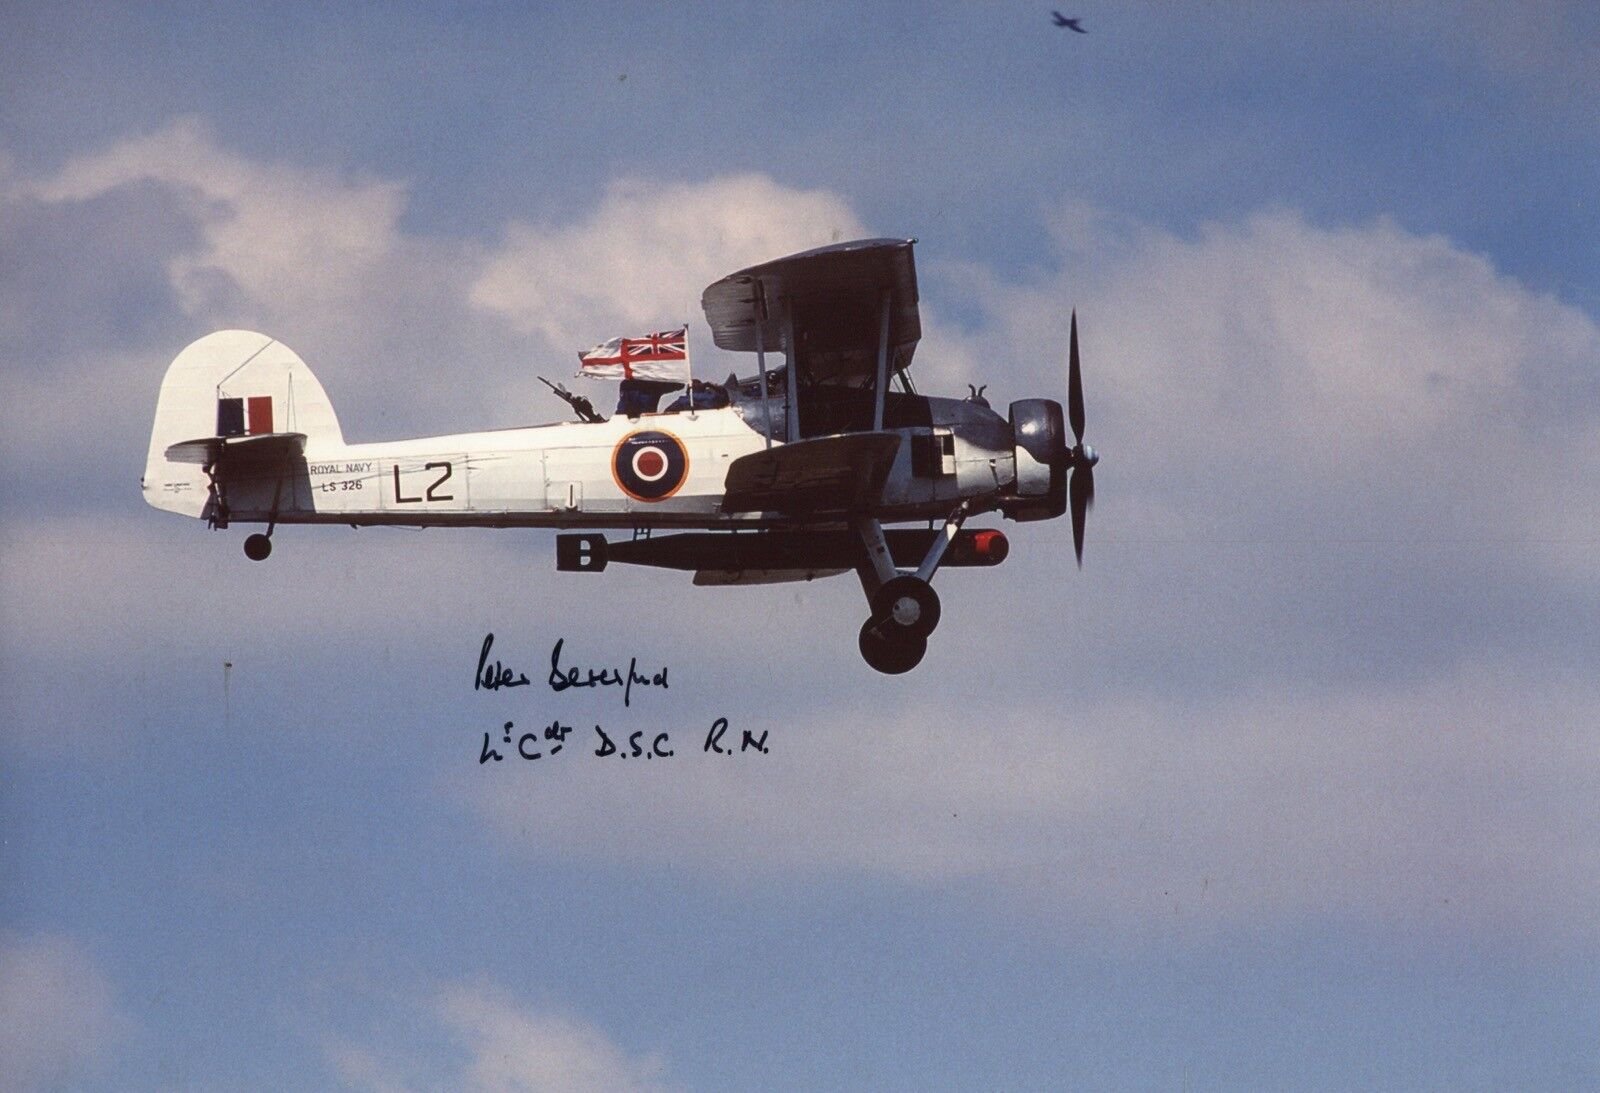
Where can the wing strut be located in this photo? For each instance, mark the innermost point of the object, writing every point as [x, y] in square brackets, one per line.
[791, 382]
[880, 391]
[761, 361]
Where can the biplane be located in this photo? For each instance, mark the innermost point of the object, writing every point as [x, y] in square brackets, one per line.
[790, 473]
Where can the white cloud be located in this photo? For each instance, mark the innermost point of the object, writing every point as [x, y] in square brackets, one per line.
[364, 1069]
[286, 236]
[1273, 332]
[509, 1048]
[517, 1049]
[1274, 381]
[411, 334]
[58, 1018]
[284, 241]
[646, 252]
[220, 240]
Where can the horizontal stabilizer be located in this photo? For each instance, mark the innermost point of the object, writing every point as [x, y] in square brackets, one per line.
[828, 474]
[238, 450]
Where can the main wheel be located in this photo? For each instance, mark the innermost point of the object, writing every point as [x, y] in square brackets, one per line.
[908, 602]
[257, 547]
[890, 649]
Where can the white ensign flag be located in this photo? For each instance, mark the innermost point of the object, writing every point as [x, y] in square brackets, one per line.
[660, 356]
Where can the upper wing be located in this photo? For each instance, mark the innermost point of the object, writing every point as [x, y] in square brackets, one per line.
[835, 299]
[239, 452]
[829, 474]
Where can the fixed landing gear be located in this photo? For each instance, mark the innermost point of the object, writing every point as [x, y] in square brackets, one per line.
[257, 547]
[905, 608]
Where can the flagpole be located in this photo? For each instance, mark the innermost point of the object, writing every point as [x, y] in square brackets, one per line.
[688, 368]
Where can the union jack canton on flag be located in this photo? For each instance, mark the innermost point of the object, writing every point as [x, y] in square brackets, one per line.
[660, 356]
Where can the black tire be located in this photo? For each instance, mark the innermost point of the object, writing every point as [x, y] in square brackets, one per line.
[907, 603]
[257, 547]
[890, 649]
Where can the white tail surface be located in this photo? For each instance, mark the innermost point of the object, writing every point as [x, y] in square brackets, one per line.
[231, 383]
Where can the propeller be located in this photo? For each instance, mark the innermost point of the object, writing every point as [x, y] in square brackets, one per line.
[1081, 458]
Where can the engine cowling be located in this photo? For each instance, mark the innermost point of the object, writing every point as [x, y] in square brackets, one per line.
[1040, 435]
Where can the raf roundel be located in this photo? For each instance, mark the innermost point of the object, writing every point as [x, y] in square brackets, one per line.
[650, 466]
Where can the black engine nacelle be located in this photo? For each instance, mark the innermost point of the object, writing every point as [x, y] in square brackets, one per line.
[1040, 432]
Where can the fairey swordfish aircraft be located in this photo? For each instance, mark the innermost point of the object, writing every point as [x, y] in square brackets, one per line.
[788, 474]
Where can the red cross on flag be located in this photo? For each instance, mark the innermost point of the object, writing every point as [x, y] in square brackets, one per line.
[660, 356]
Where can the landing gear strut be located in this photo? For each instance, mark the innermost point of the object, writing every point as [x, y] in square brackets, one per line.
[905, 608]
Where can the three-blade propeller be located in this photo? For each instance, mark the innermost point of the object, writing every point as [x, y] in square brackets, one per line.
[1081, 458]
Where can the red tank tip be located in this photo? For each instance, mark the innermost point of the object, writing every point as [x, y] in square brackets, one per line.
[990, 545]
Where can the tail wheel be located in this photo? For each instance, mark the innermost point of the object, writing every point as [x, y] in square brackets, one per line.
[257, 547]
[890, 649]
[908, 602]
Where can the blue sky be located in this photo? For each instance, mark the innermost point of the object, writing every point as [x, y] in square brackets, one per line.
[1293, 786]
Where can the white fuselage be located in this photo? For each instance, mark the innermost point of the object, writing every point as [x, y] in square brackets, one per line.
[586, 475]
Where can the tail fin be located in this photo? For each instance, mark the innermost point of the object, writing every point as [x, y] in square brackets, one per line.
[230, 383]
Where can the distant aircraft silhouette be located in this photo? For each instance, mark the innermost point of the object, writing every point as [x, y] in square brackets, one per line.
[1070, 24]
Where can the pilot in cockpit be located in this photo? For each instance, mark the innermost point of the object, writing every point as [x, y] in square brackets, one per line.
[635, 397]
[700, 396]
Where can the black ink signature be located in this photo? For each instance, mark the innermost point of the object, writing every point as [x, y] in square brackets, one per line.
[562, 678]
[640, 744]
[720, 726]
[555, 731]
[657, 749]
[492, 678]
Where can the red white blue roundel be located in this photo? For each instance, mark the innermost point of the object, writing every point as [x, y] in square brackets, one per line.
[650, 466]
